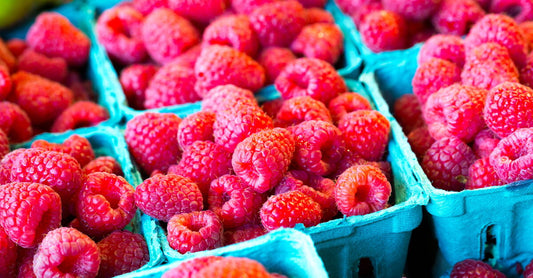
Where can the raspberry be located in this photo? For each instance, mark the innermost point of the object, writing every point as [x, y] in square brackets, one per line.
[499, 29]
[432, 76]
[135, 80]
[7, 57]
[262, 159]
[529, 270]
[288, 209]
[243, 233]
[164, 196]
[519, 10]
[310, 77]
[446, 47]
[248, 6]
[383, 30]
[232, 267]
[221, 65]
[133, 253]
[189, 268]
[80, 114]
[408, 112]
[471, 268]
[224, 96]
[171, 85]
[234, 201]
[25, 263]
[485, 4]
[147, 6]
[103, 164]
[166, 35]
[508, 107]
[412, 10]
[5, 82]
[76, 146]
[54, 69]
[195, 231]
[235, 31]
[6, 164]
[198, 11]
[526, 73]
[420, 141]
[196, 127]
[366, 133]
[28, 211]
[4, 144]
[359, 14]
[485, 142]
[66, 252]
[43, 100]
[346, 103]
[323, 41]
[527, 29]
[299, 109]
[487, 66]
[188, 58]
[272, 107]
[274, 60]
[457, 17]
[481, 174]
[318, 15]
[350, 159]
[512, 158]
[8, 255]
[54, 36]
[16, 47]
[362, 189]
[351, 6]
[148, 137]
[446, 163]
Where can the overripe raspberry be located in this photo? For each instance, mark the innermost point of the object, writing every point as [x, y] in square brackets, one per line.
[147, 6]
[481, 174]
[54, 36]
[432, 76]
[235, 31]
[7, 57]
[243, 233]
[262, 159]
[366, 133]
[195, 231]
[471, 268]
[221, 97]
[80, 114]
[171, 85]
[362, 189]
[248, 6]
[318, 15]
[446, 47]
[221, 65]
[4, 144]
[132, 256]
[196, 127]
[188, 58]
[66, 252]
[408, 112]
[508, 107]
[278, 23]
[383, 31]
[420, 141]
[299, 109]
[105, 164]
[526, 73]
[5, 82]
[288, 209]
[346, 103]
[274, 60]
[272, 107]
[412, 10]
[527, 29]
[54, 69]
[198, 11]
[163, 196]
[166, 35]
[310, 77]
[148, 137]
[323, 41]
[233, 267]
[189, 268]
[135, 80]
[28, 211]
[6, 164]
[446, 163]
[8, 255]
[485, 142]
[457, 17]
[16, 46]
[512, 158]
[519, 10]
[358, 15]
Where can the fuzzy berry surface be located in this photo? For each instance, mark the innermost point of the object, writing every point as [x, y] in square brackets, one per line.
[485, 142]
[481, 174]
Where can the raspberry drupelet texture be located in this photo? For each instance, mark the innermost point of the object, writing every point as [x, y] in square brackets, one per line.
[512, 158]
[350, 159]
[221, 97]
[163, 196]
[263, 158]
[189, 268]
[471, 268]
[274, 60]
[15, 122]
[318, 15]
[133, 253]
[433, 75]
[4, 144]
[76, 146]
[323, 41]
[55, 69]
[7, 56]
[198, 11]
[420, 141]
[519, 10]
[408, 112]
[196, 127]
[457, 17]
[383, 30]
[243, 233]
[195, 231]
[446, 47]
[288, 209]
[233, 267]
[299, 109]
[80, 114]
[188, 58]
[412, 10]
[134, 80]
[5, 82]
[28, 211]
[8, 255]
[527, 29]
[171, 85]
[105, 164]
[346, 103]
[248, 6]
[526, 73]
[481, 174]
[235, 31]
[485, 142]
[6, 164]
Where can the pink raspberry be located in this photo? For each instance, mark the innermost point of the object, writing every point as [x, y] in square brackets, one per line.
[54, 69]
[471, 268]
[481, 174]
[8, 253]
[198, 11]
[288, 209]
[68, 252]
[5, 82]
[163, 196]
[408, 112]
[457, 17]
[243, 233]
[135, 80]
[446, 47]
[520, 10]
[432, 76]
[196, 127]
[147, 6]
[366, 133]
[383, 31]
[420, 141]
[359, 14]
[103, 164]
[346, 103]
[76, 146]
[508, 107]
[188, 58]
[248, 6]
[310, 77]
[166, 35]
[323, 41]
[80, 114]
[7, 57]
[6, 164]
[54, 36]
[4, 144]
[28, 211]
[512, 158]
[485, 142]
[195, 231]
[221, 65]
[527, 29]
[299, 109]
[16, 46]
[278, 23]
[263, 158]
[412, 10]
[362, 189]
[221, 97]
[235, 31]
[272, 107]
[233, 267]
[318, 15]
[274, 60]
[446, 163]
[189, 268]
[132, 256]
[171, 85]
[148, 137]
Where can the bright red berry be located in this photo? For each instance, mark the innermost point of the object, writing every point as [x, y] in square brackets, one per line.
[121, 252]
[195, 231]
[288, 209]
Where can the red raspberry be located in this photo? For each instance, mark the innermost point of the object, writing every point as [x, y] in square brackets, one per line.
[412, 10]
[310, 77]
[323, 41]
[362, 189]
[513, 156]
[408, 112]
[234, 201]
[189, 268]
[318, 15]
[163, 196]
[446, 163]
[485, 4]
[221, 65]
[171, 85]
[224, 96]
[25, 263]
[132, 256]
[196, 127]
[54, 69]
[278, 23]
[104, 164]
[527, 29]
[198, 11]
[195, 231]
[135, 80]
[520, 10]
[43, 100]
[481, 174]
[189, 57]
[6, 164]
[432, 76]
[471, 269]
[262, 159]
[5, 82]
[248, 6]
[16, 46]
[147, 6]
[383, 30]
[8, 255]
[243, 233]
[350, 159]
[366, 133]
[485, 142]
[288, 209]
[457, 17]
[54, 36]
[313, 3]
[233, 267]
[4, 144]
[420, 141]
[148, 137]
[272, 107]
[76, 146]
[529, 270]
[274, 60]
[68, 252]
[446, 47]
[80, 114]
[509, 107]
[346, 103]
[166, 35]
[526, 73]
[499, 29]
[299, 109]
[7, 57]
[28, 211]
[359, 14]
[235, 31]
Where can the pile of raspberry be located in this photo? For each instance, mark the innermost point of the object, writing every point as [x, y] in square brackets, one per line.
[387, 25]
[41, 89]
[173, 52]
[236, 170]
[470, 119]
[63, 212]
